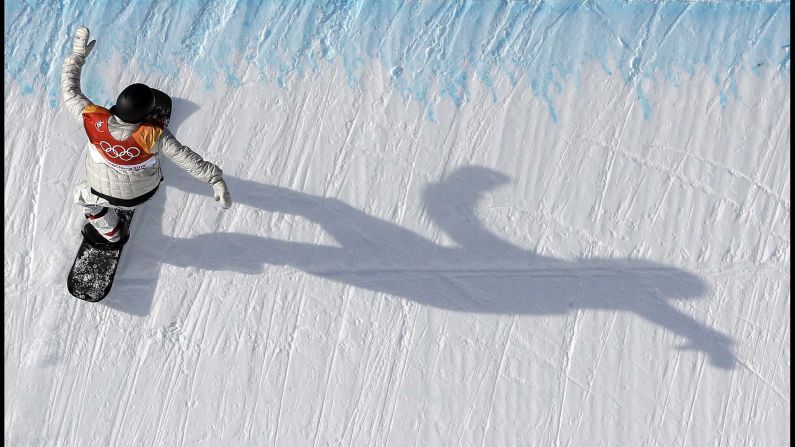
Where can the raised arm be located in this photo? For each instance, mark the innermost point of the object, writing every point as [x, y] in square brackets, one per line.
[195, 165]
[73, 97]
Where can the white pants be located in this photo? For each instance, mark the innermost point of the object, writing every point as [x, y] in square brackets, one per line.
[99, 213]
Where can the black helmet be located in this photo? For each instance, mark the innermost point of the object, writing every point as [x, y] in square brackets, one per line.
[134, 103]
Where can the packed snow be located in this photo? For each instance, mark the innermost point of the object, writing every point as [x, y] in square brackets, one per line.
[453, 223]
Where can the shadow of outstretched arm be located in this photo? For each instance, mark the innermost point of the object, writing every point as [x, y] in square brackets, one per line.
[700, 337]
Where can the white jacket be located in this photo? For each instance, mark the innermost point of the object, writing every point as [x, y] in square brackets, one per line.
[104, 178]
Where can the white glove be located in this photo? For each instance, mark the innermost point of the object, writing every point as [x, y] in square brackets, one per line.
[80, 44]
[221, 192]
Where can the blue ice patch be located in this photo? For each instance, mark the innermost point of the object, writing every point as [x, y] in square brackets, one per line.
[432, 47]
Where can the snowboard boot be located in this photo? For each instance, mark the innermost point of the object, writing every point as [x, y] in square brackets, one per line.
[96, 240]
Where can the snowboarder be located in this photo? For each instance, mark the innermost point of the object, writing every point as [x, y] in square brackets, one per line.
[122, 163]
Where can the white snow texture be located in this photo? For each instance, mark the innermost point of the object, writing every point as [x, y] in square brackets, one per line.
[454, 224]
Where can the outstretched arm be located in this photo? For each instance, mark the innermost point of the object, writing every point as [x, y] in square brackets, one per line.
[73, 97]
[196, 166]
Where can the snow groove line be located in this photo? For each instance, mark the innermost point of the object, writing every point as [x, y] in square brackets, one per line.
[375, 362]
[402, 375]
[129, 389]
[566, 373]
[505, 344]
[60, 384]
[608, 168]
[39, 169]
[265, 367]
[167, 402]
[733, 172]
[638, 51]
[403, 198]
[563, 160]
[439, 345]
[98, 344]
[293, 136]
[205, 304]
[765, 381]
[731, 72]
[474, 396]
[694, 398]
[290, 352]
[342, 154]
[726, 408]
[330, 368]
[669, 184]
[772, 220]
[390, 387]
[675, 22]
[589, 390]
[325, 108]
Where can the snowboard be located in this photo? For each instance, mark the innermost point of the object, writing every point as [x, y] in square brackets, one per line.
[94, 268]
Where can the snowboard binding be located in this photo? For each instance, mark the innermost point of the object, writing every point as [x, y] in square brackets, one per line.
[96, 240]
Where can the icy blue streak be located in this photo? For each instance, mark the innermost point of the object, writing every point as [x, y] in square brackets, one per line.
[430, 48]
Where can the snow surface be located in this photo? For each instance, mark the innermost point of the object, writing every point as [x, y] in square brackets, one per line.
[454, 224]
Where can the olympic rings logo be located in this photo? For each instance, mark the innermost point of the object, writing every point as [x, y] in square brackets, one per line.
[120, 152]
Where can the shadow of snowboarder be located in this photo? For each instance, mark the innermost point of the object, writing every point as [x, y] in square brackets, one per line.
[481, 274]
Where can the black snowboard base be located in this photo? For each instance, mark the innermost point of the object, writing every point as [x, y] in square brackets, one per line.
[93, 270]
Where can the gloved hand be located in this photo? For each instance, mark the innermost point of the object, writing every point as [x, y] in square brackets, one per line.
[80, 43]
[221, 192]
